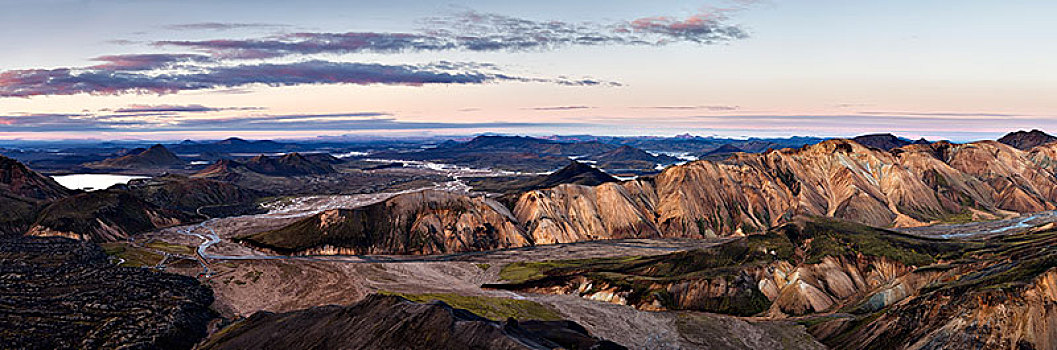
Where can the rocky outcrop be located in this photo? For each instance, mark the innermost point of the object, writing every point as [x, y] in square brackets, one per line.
[103, 216]
[156, 156]
[855, 287]
[391, 322]
[1026, 140]
[999, 297]
[909, 186]
[427, 222]
[63, 294]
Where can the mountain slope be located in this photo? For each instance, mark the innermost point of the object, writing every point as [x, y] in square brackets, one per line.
[195, 195]
[23, 192]
[391, 322]
[103, 216]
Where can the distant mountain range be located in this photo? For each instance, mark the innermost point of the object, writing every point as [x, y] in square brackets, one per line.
[913, 184]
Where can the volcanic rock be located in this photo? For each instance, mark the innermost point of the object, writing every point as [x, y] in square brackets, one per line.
[63, 294]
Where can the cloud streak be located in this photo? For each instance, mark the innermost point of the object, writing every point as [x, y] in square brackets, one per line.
[66, 81]
[475, 31]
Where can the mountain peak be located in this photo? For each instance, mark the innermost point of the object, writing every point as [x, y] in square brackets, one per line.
[1025, 140]
[578, 173]
[883, 141]
[157, 156]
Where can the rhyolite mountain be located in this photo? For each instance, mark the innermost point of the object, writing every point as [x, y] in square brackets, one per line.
[853, 286]
[908, 186]
[1026, 140]
[392, 322]
[426, 222]
[23, 192]
[912, 185]
[156, 156]
[64, 294]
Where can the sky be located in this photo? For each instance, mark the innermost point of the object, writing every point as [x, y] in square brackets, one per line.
[168, 70]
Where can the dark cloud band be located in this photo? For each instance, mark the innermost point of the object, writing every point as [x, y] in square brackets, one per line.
[65, 81]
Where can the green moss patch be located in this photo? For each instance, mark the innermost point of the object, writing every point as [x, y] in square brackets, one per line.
[132, 256]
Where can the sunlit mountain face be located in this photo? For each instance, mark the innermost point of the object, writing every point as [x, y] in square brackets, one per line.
[712, 174]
